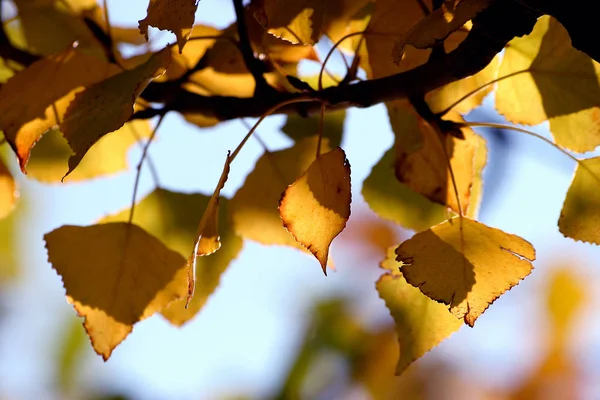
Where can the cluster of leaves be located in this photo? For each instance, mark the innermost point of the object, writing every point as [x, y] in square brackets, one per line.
[96, 103]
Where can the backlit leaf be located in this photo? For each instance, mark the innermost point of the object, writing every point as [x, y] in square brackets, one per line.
[176, 16]
[395, 201]
[254, 207]
[579, 215]
[298, 21]
[173, 219]
[60, 75]
[315, 208]
[547, 79]
[8, 190]
[465, 264]
[297, 127]
[421, 323]
[105, 106]
[342, 17]
[115, 275]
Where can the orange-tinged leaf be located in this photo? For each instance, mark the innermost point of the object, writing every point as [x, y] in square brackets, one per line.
[547, 79]
[316, 207]
[115, 275]
[176, 16]
[297, 21]
[421, 323]
[8, 190]
[465, 264]
[59, 75]
[579, 215]
[105, 106]
[173, 219]
[207, 239]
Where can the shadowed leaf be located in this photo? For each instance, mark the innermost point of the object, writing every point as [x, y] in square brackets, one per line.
[176, 16]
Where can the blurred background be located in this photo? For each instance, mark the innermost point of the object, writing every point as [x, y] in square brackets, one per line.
[276, 327]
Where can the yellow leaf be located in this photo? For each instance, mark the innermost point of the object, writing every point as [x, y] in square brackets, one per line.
[566, 297]
[115, 275]
[106, 105]
[342, 17]
[8, 190]
[207, 239]
[60, 75]
[108, 156]
[579, 215]
[547, 79]
[438, 25]
[426, 170]
[298, 21]
[176, 16]
[465, 264]
[421, 323]
[395, 201]
[315, 208]
[172, 218]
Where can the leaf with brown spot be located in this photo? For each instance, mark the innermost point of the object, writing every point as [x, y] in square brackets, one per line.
[105, 106]
[176, 16]
[61, 75]
[421, 323]
[465, 264]
[315, 208]
[8, 190]
[115, 275]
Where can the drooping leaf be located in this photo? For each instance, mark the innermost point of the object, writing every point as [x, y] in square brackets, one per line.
[253, 209]
[579, 215]
[173, 219]
[547, 79]
[296, 21]
[426, 171]
[49, 157]
[437, 26]
[207, 239]
[465, 264]
[8, 190]
[115, 275]
[316, 207]
[421, 323]
[395, 201]
[60, 75]
[176, 16]
[105, 106]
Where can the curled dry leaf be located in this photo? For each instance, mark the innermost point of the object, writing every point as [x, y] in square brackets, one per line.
[421, 323]
[207, 240]
[579, 215]
[465, 264]
[105, 106]
[316, 207]
[115, 275]
[8, 190]
[176, 16]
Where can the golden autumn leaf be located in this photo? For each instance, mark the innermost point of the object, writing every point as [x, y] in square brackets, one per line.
[438, 25]
[315, 208]
[115, 275]
[465, 264]
[426, 171]
[176, 16]
[297, 21]
[105, 106]
[253, 208]
[207, 239]
[61, 75]
[8, 190]
[173, 219]
[579, 215]
[342, 17]
[421, 323]
[547, 79]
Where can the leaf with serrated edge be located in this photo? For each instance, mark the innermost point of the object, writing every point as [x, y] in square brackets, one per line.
[105, 106]
[421, 323]
[579, 215]
[316, 207]
[115, 275]
[176, 16]
[297, 21]
[465, 264]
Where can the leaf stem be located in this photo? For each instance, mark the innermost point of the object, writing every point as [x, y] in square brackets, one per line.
[139, 167]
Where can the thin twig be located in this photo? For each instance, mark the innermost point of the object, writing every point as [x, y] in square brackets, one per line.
[321, 124]
[151, 166]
